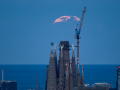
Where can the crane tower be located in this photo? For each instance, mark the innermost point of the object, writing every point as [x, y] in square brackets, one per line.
[77, 37]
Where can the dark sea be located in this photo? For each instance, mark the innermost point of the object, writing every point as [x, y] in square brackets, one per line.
[25, 75]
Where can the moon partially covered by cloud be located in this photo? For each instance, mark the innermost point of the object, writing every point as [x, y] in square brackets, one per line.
[65, 18]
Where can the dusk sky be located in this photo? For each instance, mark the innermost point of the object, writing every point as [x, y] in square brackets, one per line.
[27, 29]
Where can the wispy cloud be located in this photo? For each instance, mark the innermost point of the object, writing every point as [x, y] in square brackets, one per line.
[61, 19]
[65, 18]
[76, 18]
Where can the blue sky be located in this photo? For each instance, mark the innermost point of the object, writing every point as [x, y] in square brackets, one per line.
[27, 29]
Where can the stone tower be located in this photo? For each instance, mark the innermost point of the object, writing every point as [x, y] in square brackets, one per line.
[71, 77]
[73, 68]
[65, 53]
[82, 77]
[65, 57]
[63, 76]
[52, 79]
[67, 78]
[61, 69]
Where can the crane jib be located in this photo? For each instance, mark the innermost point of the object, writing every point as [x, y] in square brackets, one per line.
[78, 31]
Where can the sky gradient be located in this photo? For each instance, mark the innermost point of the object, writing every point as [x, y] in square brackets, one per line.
[27, 30]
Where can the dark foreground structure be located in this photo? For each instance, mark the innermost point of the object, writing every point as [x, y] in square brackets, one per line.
[8, 85]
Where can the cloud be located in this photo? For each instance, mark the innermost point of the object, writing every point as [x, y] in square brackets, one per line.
[76, 18]
[65, 18]
[61, 19]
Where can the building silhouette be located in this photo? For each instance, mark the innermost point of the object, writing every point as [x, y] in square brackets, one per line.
[6, 84]
[62, 76]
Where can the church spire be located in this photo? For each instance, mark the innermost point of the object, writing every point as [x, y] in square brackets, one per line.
[61, 70]
[52, 79]
[73, 67]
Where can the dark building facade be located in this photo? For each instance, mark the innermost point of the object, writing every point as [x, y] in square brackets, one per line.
[8, 85]
[118, 78]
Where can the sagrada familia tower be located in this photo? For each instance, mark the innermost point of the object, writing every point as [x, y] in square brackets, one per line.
[62, 75]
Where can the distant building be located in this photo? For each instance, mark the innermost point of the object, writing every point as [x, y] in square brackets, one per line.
[86, 85]
[102, 85]
[90, 88]
[8, 85]
[118, 78]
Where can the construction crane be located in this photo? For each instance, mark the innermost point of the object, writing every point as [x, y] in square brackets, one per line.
[77, 37]
[78, 32]
[37, 83]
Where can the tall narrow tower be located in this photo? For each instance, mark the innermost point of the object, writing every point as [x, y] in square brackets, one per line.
[73, 68]
[52, 79]
[67, 79]
[61, 69]
[65, 51]
[82, 77]
[55, 56]
[78, 73]
[71, 77]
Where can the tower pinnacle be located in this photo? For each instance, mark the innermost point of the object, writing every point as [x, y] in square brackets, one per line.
[73, 67]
